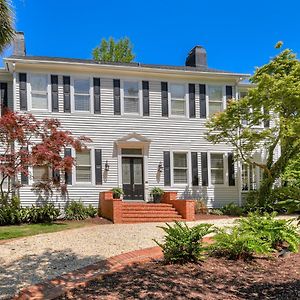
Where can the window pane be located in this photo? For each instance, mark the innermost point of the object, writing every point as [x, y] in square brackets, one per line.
[39, 82]
[131, 88]
[83, 158]
[131, 105]
[82, 86]
[216, 160]
[138, 172]
[82, 102]
[132, 151]
[245, 175]
[39, 101]
[215, 107]
[178, 107]
[217, 176]
[40, 173]
[180, 160]
[215, 92]
[180, 176]
[83, 174]
[126, 171]
[178, 91]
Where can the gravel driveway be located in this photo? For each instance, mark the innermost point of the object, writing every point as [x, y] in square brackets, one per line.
[34, 259]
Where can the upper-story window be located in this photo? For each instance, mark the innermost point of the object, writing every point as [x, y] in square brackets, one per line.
[217, 168]
[215, 99]
[131, 97]
[178, 99]
[39, 91]
[82, 98]
[180, 168]
[83, 166]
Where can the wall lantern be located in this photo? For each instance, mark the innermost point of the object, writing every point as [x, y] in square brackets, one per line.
[106, 167]
[160, 167]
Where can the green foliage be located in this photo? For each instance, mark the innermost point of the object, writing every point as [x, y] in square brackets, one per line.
[43, 214]
[182, 243]
[117, 192]
[201, 207]
[216, 211]
[7, 31]
[114, 51]
[157, 191]
[77, 211]
[231, 209]
[235, 244]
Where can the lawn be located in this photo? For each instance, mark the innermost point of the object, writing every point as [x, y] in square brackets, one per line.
[16, 231]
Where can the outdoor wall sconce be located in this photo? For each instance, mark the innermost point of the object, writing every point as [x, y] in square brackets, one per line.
[106, 167]
[160, 167]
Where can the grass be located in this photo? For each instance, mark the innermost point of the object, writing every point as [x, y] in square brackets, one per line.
[16, 231]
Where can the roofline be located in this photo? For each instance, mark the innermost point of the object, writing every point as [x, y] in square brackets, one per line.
[138, 67]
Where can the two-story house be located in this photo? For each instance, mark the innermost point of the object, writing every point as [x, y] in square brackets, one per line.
[146, 122]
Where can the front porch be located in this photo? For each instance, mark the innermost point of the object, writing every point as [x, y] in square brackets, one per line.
[170, 209]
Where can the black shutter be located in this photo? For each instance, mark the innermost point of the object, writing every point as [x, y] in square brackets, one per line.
[229, 92]
[68, 175]
[117, 97]
[54, 92]
[192, 105]
[98, 166]
[167, 168]
[204, 169]
[3, 97]
[146, 108]
[23, 91]
[202, 94]
[55, 176]
[164, 99]
[24, 177]
[97, 96]
[231, 176]
[195, 177]
[67, 97]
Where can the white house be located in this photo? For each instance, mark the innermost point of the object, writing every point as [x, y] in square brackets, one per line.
[146, 122]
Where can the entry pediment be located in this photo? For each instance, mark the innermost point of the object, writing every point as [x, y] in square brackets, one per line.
[133, 137]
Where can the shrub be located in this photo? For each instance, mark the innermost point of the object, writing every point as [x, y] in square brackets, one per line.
[156, 193]
[276, 232]
[232, 209]
[117, 192]
[77, 211]
[91, 211]
[201, 207]
[216, 211]
[182, 243]
[42, 214]
[236, 244]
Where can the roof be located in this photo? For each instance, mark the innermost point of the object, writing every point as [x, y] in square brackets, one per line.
[132, 64]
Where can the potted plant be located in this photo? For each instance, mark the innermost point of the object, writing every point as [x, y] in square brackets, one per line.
[156, 193]
[117, 193]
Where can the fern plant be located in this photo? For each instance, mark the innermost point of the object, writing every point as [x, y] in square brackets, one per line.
[182, 243]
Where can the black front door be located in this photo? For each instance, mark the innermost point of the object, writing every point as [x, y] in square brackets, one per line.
[132, 175]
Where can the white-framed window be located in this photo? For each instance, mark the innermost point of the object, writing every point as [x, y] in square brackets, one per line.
[39, 88]
[251, 177]
[178, 103]
[83, 166]
[180, 168]
[217, 168]
[40, 173]
[215, 99]
[82, 94]
[131, 97]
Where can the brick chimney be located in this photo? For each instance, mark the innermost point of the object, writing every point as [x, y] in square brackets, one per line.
[19, 44]
[197, 58]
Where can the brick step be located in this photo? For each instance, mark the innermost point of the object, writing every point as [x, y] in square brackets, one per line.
[151, 215]
[139, 204]
[156, 219]
[148, 208]
[148, 212]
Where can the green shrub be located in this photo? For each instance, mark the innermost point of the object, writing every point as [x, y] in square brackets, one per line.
[236, 244]
[274, 231]
[42, 214]
[77, 211]
[216, 211]
[91, 211]
[231, 209]
[182, 243]
[117, 192]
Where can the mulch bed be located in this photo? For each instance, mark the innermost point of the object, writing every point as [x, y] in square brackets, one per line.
[97, 221]
[201, 217]
[276, 278]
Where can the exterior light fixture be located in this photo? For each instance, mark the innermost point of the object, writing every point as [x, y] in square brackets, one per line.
[160, 167]
[106, 167]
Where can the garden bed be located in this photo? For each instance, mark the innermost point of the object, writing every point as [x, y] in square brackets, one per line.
[204, 217]
[276, 278]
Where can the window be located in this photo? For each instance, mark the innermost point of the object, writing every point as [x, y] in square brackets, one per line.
[251, 177]
[39, 91]
[83, 166]
[215, 94]
[180, 169]
[40, 173]
[82, 94]
[178, 100]
[131, 97]
[217, 168]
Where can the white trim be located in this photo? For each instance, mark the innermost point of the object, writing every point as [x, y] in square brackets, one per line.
[92, 164]
[189, 176]
[222, 100]
[225, 169]
[186, 94]
[140, 97]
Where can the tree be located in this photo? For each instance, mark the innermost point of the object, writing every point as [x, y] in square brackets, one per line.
[26, 142]
[275, 96]
[7, 31]
[114, 51]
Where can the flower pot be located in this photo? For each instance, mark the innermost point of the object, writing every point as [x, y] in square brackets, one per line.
[156, 198]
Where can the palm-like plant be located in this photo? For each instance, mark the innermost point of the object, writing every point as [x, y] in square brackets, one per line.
[7, 31]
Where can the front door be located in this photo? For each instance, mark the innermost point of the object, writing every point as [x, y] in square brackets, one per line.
[132, 176]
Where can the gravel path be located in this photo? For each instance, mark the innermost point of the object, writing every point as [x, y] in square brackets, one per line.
[34, 259]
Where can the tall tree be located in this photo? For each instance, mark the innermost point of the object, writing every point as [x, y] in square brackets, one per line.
[275, 97]
[114, 51]
[6, 24]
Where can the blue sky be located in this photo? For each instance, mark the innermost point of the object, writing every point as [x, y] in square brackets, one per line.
[238, 35]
